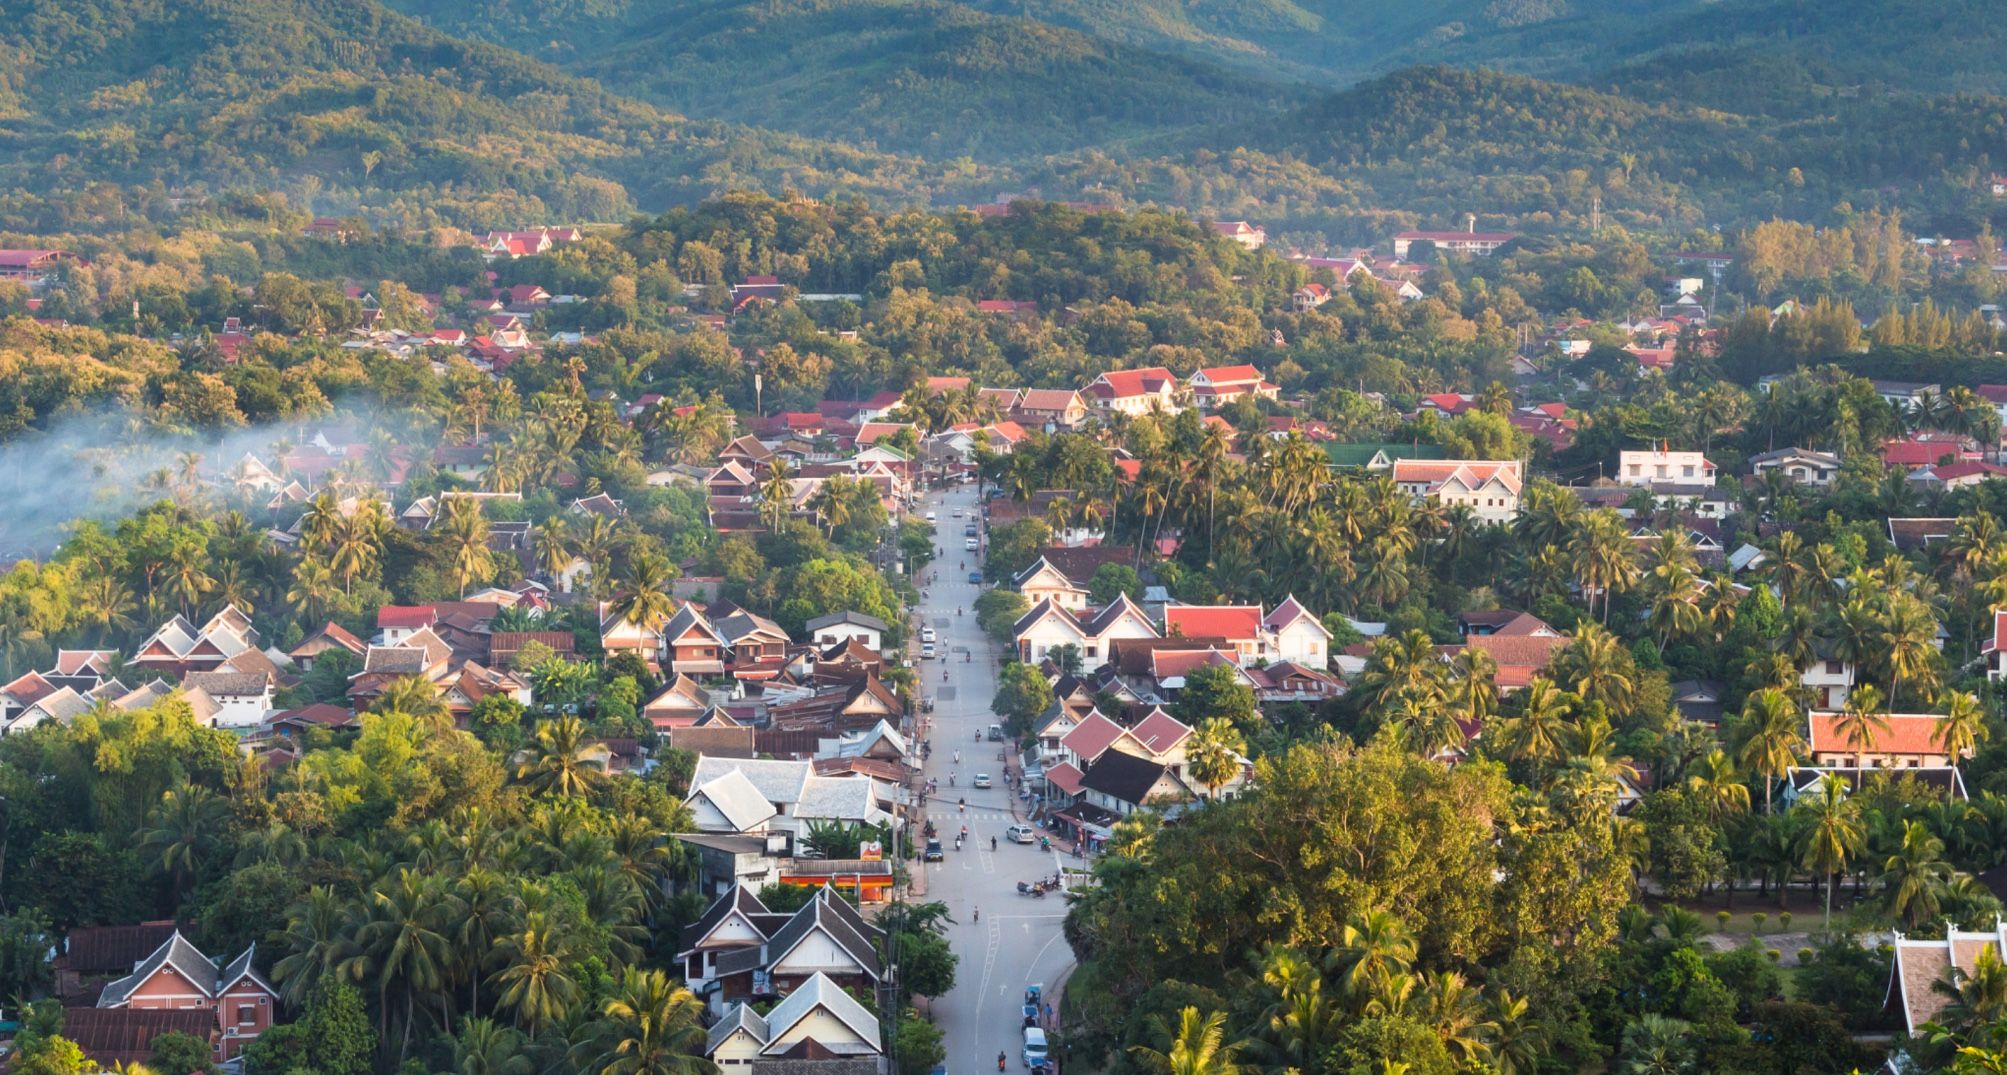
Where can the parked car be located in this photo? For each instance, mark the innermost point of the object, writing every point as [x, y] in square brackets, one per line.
[927, 634]
[996, 733]
[982, 780]
[969, 530]
[934, 852]
[976, 577]
[1021, 834]
[926, 651]
[971, 544]
[930, 516]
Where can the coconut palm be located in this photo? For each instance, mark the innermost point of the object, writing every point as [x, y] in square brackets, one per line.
[1600, 549]
[1199, 1047]
[1372, 948]
[1517, 1040]
[1908, 645]
[1963, 726]
[1595, 667]
[644, 598]
[316, 943]
[650, 1027]
[562, 762]
[402, 950]
[1213, 755]
[534, 980]
[1863, 721]
[552, 545]
[1537, 733]
[1915, 875]
[464, 530]
[1978, 997]
[776, 496]
[181, 828]
[489, 907]
[485, 1047]
[418, 698]
[1833, 832]
[1715, 778]
[1771, 737]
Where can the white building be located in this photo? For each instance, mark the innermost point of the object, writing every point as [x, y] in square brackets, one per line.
[1657, 467]
[1490, 488]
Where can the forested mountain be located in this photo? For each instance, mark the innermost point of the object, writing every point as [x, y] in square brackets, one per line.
[933, 78]
[366, 104]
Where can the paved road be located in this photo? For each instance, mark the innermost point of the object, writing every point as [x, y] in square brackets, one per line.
[1017, 939]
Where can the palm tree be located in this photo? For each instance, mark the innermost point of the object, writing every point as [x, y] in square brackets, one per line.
[1915, 875]
[180, 828]
[418, 698]
[651, 1027]
[316, 943]
[776, 495]
[313, 587]
[1517, 1040]
[1302, 1023]
[1979, 996]
[534, 980]
[402, 948]
[485, 1047]
[1833, 832]
[1537, 733]
[1963, 726]
[562, 762]
[1456, 1011]
[1600, 549]
[595, 544]
[106, 602]
[1213, 755]
[644, 598]
[1771, 736]
[488, 911]
[1908, 642]
[1372, 949]
[1863, 721]
[1198, 1048]
[465, 532]
[1716, 780]
[1856, 633]
[552, 545]
[1595, 667]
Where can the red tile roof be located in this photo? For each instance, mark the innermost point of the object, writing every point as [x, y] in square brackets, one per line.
[406, 616]
[1160, 731]
[1908, 733]
[1119, 384]
[1219, 375]
[1092, 736]
[1233, 622]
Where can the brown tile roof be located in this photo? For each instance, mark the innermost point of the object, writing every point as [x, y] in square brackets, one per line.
[125, 1035]
[112, 949]
[716, 742]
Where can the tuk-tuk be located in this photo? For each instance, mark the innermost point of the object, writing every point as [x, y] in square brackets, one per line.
[1032, 993]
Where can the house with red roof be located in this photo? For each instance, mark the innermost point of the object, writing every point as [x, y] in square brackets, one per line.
[1519, 657]
[178, 976]
[1289, 633]
[1215, 386]
[1134, 392]
[1994, 649]
[1925, 449]
[1310, 296]
[1960, 475]
[1894, 741]
[1490, 488]
[1447, 404]
[1012, 309]
[757, 289]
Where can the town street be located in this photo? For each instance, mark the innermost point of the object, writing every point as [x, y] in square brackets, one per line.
[1017, 940]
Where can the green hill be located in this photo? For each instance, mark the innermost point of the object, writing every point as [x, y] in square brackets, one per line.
[927, 77]
[366, 106]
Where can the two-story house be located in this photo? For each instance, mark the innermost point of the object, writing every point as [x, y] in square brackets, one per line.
[178, 976]
[1908, 741]
[1653, 467]
[1217, 386]
[1061, 574]
[1490, 488]
[740, 950]
[1134, 392]
[1801, 465]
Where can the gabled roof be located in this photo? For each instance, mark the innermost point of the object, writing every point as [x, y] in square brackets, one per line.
[741, 1017]
[688, 619]
[1077, 564]
[833, 916]
[1092, 736]
[1125, 777]
[402, 616]
[735, 796]
[1098, 624]
[90, 950]
[111, 1036]
[821, 993]
[1048, 399]
[331, 635]
[1118, 384]
[1288, 612]
[176, 954]
[1160, 731]
[741, 899]
[856, 619]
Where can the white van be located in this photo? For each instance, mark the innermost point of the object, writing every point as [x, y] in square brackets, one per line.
[1034, 1047]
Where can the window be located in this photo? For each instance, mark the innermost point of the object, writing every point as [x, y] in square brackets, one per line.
[247, 1014]
[1834, 668]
